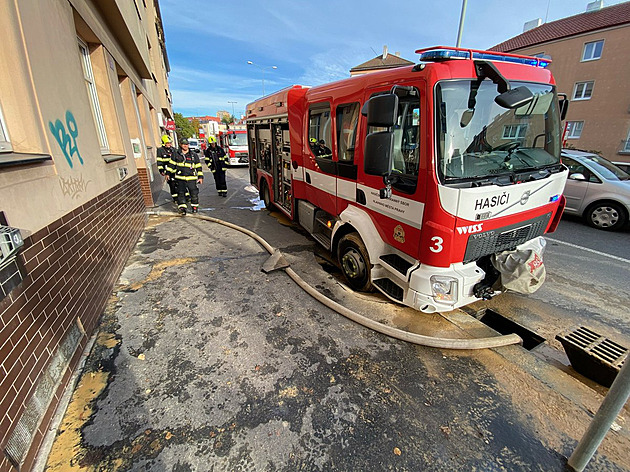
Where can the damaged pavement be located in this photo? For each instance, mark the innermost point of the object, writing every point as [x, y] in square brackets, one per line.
[204, 362]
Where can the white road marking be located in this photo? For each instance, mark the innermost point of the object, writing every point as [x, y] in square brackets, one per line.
[589, 250]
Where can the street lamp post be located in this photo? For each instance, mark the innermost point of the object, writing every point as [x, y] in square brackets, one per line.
[263, 73]
[232, 107]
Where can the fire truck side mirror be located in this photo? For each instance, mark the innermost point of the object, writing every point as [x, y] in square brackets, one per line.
[381, 110]
[378, 152]
[563, 104]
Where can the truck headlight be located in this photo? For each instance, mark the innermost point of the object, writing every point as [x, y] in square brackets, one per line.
[444, 288]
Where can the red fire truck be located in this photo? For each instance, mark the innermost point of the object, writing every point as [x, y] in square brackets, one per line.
[415, 177]
[234, 143]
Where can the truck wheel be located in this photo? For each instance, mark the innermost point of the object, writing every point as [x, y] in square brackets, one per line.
[355, 262]
[265, 195]
[609, 216]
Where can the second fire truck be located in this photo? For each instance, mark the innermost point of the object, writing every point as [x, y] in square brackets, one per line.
[415, 177]
[234, 143]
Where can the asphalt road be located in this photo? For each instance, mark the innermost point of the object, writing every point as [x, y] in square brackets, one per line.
[204, 363]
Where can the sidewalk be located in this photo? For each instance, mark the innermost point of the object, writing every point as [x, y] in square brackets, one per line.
[205, 363]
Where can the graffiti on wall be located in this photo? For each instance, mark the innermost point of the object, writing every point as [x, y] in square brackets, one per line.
[73, 187]
[66, 136]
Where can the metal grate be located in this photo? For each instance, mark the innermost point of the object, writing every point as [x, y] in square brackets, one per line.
[607, 350]
[504, 239]
[593, 355]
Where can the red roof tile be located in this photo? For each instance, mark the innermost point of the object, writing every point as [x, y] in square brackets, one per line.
[584, 22]
[390, 61]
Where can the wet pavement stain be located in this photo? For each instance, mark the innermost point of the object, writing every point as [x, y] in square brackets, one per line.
[157, 271]
[68, 452]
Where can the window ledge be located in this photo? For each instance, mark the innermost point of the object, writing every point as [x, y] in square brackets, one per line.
[20, 158]
[113, 157]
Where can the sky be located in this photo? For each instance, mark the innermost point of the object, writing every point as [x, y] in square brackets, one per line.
[311, 42]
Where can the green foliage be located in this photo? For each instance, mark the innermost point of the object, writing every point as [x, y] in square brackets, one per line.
[228, 120]
[183, 127]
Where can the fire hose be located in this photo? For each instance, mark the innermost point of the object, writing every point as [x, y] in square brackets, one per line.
[419, 339]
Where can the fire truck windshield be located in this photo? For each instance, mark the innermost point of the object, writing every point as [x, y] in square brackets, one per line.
[478, 139]
[238, 139]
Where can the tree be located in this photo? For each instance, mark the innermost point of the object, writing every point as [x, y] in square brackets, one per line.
[196, 126]
[227, 119]
[183, 127]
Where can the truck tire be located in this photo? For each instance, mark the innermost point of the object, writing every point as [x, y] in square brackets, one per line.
[355, 262]
[265, 196]
[607, 215]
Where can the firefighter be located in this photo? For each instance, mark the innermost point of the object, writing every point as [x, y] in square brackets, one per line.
[186, 169]
[164, 155]
[319, 148]
[217, 163]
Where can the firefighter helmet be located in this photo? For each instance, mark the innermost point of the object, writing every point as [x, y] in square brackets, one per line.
[212, 139]
[313, 140]
[165, 139]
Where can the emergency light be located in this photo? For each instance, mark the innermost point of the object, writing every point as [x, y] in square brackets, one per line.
[445, 53]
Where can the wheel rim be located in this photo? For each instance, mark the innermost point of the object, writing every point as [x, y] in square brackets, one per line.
[353, 264]
[605, 216]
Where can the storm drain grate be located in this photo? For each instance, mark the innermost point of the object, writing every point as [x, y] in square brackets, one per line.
[593, 355]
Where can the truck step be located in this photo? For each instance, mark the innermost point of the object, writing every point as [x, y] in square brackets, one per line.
[322, 239]
[396, 262]
[390, 288]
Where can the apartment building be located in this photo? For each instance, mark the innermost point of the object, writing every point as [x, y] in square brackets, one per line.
[591, 64]
[84, 98]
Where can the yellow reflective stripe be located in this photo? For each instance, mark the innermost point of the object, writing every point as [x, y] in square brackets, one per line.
[186, 177]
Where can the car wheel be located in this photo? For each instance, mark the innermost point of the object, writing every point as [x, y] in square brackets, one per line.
[355, 263]
[609, 216]
[265, 195]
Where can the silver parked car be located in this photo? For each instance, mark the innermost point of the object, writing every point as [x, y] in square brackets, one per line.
[596, 190]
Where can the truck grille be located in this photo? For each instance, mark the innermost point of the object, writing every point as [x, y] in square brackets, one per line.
[504, 239]
[242, 156]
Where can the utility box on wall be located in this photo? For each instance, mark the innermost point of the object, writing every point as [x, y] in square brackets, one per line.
[10, 243]
[11, 273]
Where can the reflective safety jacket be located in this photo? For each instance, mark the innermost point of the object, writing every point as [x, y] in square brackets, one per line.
[164, 155]
[185, 166]
[215, 158]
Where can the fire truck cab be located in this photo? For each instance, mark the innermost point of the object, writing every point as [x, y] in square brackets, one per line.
[415, 177]
[234, 143]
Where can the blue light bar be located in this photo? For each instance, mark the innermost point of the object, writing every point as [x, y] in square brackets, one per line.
[555, 198]
[438, 55]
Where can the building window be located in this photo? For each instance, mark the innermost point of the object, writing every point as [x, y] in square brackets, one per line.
[574, 129]
[88, 75]
[5, 144]
[593, 51]
[514, 131]
[583, 90]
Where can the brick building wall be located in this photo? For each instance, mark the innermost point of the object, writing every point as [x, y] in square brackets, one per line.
[69, 269]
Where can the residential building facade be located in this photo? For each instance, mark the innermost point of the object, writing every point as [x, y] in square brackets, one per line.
[591, 64]
[84, 98]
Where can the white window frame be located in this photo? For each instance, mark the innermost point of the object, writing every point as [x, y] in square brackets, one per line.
[90, 84]
[571, 130]
[5, 143]
[592, 58]
[582, 95]
[521, 130]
